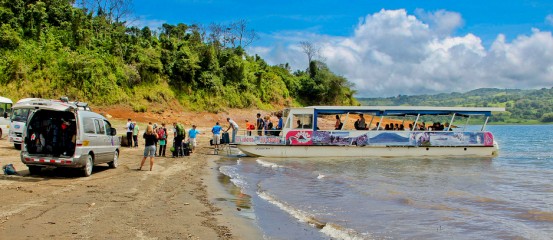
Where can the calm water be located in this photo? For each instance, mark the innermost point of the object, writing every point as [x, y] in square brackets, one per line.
[508, 197]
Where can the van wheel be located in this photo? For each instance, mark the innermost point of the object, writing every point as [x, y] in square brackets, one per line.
[34, 170]
[87, 170]
[115, 162]
[17, 146]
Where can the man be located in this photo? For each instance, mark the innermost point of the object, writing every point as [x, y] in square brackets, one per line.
[279, 124]
[362, 125]
[216, 130]
[135, 132]
[234, 126]
[130, 128]
[179, 136]
[192, 137]
[260, 124]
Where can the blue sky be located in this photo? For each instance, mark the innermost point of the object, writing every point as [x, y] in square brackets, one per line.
[390, 47]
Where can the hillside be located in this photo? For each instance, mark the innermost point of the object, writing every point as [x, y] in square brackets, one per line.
[522, 106]
[51, 48]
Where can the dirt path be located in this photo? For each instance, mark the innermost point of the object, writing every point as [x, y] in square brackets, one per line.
[169, 202]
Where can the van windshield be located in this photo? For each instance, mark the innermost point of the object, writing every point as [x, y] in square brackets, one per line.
[20, 115]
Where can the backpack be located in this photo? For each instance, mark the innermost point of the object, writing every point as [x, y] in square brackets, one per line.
[9, 169]
[180, 130]
[131, 126]
[161, 133]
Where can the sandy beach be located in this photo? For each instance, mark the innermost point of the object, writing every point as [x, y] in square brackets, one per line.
[174, 201]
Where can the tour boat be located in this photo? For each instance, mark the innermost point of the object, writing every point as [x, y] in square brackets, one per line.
[311, 132]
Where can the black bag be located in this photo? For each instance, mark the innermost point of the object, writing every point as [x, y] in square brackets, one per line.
[225, 138]
[9, 169]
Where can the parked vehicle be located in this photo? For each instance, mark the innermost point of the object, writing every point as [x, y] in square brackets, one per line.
[64, 134]
[5, 109]
[20, 112]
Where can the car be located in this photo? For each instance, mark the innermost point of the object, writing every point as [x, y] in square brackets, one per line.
[69, 135]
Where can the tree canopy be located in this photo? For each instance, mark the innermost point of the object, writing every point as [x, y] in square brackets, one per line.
[52, 48]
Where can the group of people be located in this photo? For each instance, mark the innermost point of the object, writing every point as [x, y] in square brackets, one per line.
[264, 126]
[156, 137]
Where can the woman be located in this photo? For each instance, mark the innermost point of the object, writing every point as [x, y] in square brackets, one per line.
[162, 137]
[338, 124]
[150, 149]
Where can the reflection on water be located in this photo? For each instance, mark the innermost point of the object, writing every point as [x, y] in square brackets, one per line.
[508, 197]
[241, 200]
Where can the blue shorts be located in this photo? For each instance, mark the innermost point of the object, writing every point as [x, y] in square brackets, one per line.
[150, 151]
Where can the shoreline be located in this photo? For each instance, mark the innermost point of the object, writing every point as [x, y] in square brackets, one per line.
[178, 199]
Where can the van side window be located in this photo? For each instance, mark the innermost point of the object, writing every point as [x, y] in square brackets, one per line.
[88, 125]
[108, 128]
[100, 127]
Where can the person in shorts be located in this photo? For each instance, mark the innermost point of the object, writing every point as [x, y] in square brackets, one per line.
[150, 139]
[216, 130]
[192, 133]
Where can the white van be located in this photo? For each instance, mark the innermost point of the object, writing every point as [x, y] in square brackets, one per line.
[5, 108]
[63, 134]
[20, 112]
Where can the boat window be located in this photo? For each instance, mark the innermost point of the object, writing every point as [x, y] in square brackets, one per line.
[88, 124]
[303, 121]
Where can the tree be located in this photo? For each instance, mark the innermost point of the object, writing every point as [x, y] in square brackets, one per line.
[242, 34]
[114, 10]
[310, 50]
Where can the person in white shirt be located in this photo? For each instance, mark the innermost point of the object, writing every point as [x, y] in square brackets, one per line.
[234, 126]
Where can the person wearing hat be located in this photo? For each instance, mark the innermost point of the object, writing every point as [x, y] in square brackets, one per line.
[192, 137]
[234, 126]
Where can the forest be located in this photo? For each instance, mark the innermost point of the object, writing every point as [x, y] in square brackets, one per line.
[87, 51]
[522, 106]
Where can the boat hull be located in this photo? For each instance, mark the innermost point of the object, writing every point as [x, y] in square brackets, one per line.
[259, 150]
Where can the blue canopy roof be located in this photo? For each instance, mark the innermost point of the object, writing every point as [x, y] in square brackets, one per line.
[405, 110]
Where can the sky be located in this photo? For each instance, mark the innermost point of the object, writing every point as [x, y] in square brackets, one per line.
[390, 47]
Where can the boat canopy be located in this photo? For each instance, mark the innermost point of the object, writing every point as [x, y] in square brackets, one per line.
[406, 110]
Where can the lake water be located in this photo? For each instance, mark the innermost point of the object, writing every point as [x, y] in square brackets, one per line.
[508, 197]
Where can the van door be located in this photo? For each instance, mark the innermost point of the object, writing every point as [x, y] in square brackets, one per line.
[103, 149]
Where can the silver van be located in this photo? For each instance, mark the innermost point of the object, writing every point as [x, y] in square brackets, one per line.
[67, 134]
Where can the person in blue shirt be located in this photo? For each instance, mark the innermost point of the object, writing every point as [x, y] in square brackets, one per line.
[279, 124]
[192, 137]
[216, 130]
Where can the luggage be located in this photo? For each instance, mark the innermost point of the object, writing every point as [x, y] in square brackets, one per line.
[225, 138]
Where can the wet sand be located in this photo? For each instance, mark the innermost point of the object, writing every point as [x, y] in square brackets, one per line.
[177, 200]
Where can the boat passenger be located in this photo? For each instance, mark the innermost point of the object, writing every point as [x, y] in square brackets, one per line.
[338, 125]
[362, 125]
[299, 124]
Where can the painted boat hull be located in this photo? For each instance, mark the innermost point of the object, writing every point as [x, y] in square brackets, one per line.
[258, 150]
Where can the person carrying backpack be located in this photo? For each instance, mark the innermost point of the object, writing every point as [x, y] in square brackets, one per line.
[162, 136]
[180, 134]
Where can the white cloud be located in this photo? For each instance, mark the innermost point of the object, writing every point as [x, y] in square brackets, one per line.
[549, 19]
[391, 53]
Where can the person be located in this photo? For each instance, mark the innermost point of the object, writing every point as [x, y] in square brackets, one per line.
[130, 128]
[216, 130]
[180, 134]
[249, 127]
[280, 124]
[234, 126]
[268, 126]
[377, 126]
[162, 136]
[260, 124]
[362, 125]
[135, 132]
[150, 140]
[299, 124]
[192, 133]
[338, 124]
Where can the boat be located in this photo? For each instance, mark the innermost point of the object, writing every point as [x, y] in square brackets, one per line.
[310, 132]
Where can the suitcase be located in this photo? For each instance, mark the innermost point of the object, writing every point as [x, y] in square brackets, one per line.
[225, 138]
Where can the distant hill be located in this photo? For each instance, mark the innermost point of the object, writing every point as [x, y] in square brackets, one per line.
[522, 106]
